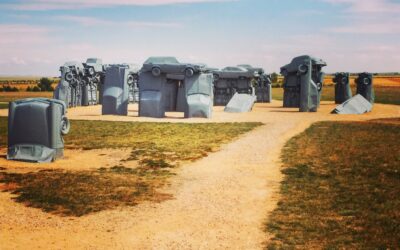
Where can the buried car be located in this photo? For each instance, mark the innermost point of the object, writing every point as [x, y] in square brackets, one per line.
[303, 79]
[167, 85]
[93, 81]
[233, 89]
[36, 127]
[69, 89]
[261, 82]
[118, 79]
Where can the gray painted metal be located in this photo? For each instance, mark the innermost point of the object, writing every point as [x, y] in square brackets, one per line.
[240, 103]
[69, 88]
[133, 83]
[134, 92]
[303, 81]
[263, 88]
[91, 81]
[261, 82]
[231, 80]
[80, 83]
[365, 86]
[223, 91]
[342, 87]
[355, 105]
[116, 89]
[35, 129]
[167, 85]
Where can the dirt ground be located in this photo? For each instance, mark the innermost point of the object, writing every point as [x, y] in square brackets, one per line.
[220, 202]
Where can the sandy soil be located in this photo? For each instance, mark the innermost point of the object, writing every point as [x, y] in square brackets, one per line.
[220, 202]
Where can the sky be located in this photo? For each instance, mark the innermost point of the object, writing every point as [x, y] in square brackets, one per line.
[38, 36]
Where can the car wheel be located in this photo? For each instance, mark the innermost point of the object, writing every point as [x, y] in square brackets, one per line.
[65, 125]
[69, 76]
[156, 71]
[189, 72]
[302, 68]
[130, 80]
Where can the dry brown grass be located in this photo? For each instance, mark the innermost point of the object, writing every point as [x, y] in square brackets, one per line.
[383, 94]
[340, 189]
[76, 193]
[157, 149]
[381, 81]
[12, 96]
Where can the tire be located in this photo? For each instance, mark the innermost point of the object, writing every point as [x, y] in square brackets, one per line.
[91, 71]
[319, 86]
[366, 81]
[156, 71]
[130, 80]
[65, 125]
[189, 72]
[302, 68]
[69, 76]
[216, 77]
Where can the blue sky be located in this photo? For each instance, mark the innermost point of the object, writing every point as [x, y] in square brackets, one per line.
[37, 36]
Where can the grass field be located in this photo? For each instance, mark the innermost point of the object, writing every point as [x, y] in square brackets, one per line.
[341, 188]
[387, 89]
[3, 105]
[23, 82]
[6, 97]
[12, 96]
[379, 80]
[383, 94]
[157, 148]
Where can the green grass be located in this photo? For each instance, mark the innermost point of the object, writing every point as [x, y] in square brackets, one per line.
[341, 188]
[385, 95]
[180, 141]
[158, 148]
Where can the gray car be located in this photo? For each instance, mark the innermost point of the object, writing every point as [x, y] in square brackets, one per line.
[69, 88]
[303, 79]
[167, 85]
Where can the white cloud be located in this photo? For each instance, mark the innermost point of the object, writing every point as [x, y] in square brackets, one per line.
[368, 27]
[20, 34]
[91, 21]
[368, 17]
[368, 6]
[41, 5]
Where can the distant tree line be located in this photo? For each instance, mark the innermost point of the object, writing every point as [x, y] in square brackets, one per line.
[43, 85]
[8, 88]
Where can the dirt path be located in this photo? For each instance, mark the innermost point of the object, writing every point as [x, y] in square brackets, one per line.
[221, 201]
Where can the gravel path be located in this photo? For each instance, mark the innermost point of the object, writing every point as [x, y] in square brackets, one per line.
[220, 202]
